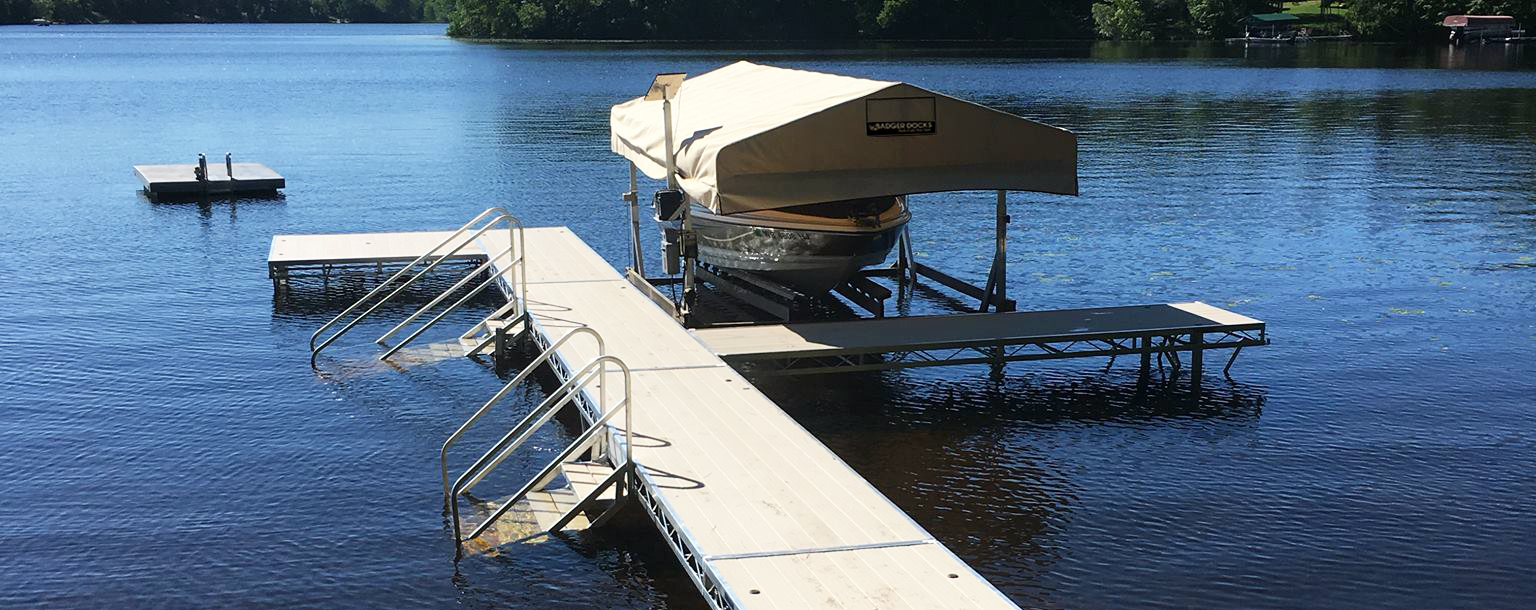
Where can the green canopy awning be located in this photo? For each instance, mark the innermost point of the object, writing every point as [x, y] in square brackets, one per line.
[1274, 18]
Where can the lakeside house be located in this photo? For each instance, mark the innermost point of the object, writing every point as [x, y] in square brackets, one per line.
[1481, 27]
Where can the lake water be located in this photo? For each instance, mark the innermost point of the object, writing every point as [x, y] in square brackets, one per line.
[165, 442]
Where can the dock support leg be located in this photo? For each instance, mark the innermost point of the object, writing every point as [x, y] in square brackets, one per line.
[997, 363]
[1227, 371]
[500, 352]
[1169, 343]
[1197, 357]
[1144, 343]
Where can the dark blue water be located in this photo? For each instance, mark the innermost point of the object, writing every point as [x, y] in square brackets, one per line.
[165, 442]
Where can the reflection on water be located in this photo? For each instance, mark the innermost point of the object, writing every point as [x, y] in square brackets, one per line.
[1373, 203]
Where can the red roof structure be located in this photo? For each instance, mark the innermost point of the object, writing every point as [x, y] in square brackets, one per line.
[1461, 21]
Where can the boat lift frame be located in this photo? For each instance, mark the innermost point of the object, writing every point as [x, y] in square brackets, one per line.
[779, 301]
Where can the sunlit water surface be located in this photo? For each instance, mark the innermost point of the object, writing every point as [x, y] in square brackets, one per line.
[165, 442]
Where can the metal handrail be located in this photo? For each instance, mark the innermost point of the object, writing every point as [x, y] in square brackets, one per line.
[572, 448]
[520, 434]
[518, 288]
[399, 273]
[507, 388]
[451, 308]
[315, 350]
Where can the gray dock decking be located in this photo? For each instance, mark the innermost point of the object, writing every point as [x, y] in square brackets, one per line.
[760, 513]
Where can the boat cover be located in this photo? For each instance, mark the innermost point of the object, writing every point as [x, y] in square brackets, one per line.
[752, 137]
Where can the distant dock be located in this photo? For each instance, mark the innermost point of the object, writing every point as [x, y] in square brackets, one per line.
[185, 180]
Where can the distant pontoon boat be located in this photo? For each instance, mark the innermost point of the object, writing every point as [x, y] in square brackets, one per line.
[1483, 28]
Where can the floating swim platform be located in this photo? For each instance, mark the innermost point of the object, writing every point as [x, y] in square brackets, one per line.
[182, 179]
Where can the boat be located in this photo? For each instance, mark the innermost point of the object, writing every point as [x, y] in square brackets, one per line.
[810, 248]
[801, 178]
[41, 22]
[1289, 38]
[1285, 39]
[1483, 28]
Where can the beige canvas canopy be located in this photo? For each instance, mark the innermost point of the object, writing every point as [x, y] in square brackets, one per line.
[751, 137]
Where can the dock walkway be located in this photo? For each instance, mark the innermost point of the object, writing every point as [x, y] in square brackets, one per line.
[990, 338]
[760, 513]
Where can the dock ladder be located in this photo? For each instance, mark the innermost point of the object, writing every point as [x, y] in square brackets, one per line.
[510, 315]
[590, 464]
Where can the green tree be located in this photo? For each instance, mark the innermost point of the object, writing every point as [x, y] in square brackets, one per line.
[1222, 18]
[1397, 19]
[16, 11]
[1121, 20]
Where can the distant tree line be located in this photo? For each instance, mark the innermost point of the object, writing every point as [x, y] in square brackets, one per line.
[1394, 20]
[187, 11]
[772, 19]
[943, 19]
[793, 19]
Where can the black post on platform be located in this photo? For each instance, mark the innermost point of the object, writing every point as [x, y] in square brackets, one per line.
[201, 171]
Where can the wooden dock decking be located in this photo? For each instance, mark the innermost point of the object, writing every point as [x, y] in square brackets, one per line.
[760, 513]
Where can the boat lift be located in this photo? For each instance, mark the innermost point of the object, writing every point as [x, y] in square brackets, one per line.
[755, 138]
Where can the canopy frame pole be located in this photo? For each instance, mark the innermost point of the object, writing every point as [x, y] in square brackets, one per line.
[687, 242]
[666, 119]
[996, 292]
[633, 198]
[1000, 257]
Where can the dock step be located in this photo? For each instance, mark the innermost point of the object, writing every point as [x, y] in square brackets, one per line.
[548, 506]
[582, 479]
[585, 477]
[482, 336]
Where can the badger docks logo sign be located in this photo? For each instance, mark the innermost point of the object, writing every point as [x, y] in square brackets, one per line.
[900, 116]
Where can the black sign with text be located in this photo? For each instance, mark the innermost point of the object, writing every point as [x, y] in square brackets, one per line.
[900, 116]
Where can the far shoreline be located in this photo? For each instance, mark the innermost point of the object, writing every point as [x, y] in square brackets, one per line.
[786, 42]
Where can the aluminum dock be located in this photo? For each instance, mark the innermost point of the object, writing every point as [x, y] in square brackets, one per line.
[758, 512]
[198, 179]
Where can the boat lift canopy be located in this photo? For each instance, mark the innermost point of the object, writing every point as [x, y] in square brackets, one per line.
[752, 137]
